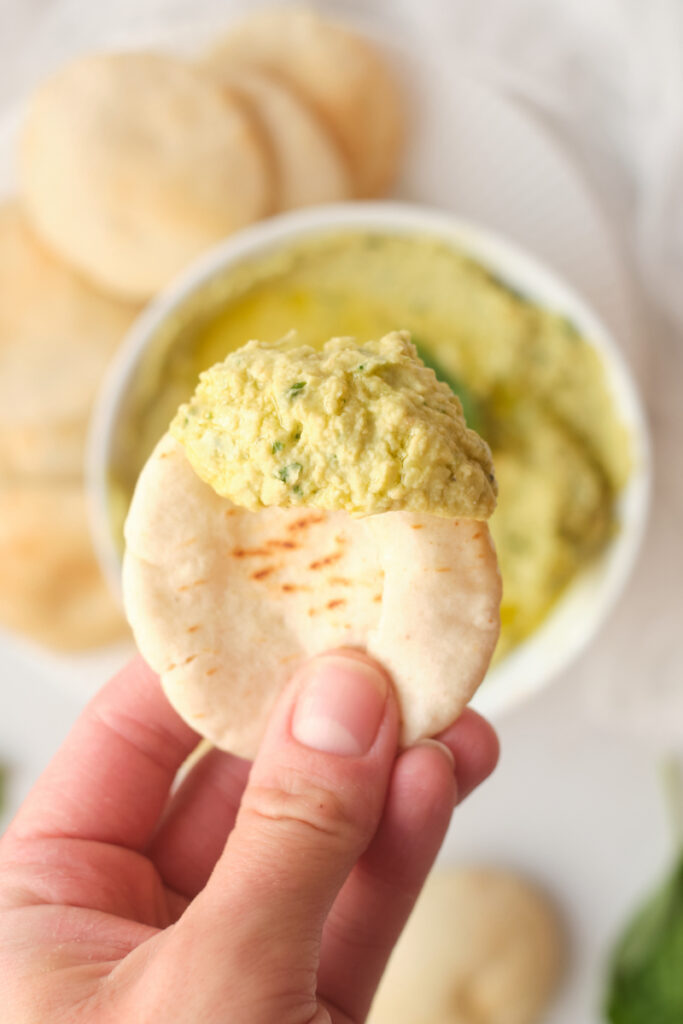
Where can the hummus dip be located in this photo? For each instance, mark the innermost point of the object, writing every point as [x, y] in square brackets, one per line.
[529, 383]
[362, 429]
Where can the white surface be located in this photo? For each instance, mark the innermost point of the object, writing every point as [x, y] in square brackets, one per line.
[571, 803]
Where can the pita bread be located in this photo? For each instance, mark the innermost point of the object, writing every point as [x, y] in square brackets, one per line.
[225, 603]
[482, 947]
[133, 164]
[309, 168]
[48, 451]
[57, 335]
[51, 588]
[341, 75]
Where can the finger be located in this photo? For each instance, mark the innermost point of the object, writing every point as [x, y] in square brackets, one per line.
[198, 821]
[313, 802]
[475, 747]
[110, 779]
[374, 904]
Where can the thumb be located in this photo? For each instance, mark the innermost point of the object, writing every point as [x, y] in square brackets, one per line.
[313, 803]
[315, 794]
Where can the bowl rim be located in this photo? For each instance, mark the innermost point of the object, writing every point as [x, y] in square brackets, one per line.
[563, 635]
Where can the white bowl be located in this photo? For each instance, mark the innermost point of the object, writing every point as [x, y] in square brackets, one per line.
[587, 601]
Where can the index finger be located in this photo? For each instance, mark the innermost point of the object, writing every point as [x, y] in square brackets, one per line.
[111, 778]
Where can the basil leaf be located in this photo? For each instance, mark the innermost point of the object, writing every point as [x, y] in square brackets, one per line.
[470, 405]
[646, 974]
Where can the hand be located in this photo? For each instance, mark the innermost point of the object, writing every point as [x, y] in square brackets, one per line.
[266, 897]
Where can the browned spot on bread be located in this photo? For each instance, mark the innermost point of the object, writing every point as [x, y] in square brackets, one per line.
[250, 552]
[339, 581]
[312, 611]
[320, 563]
[287, 544]
[341, 538]
[188, 661]
[193, 629]
[377, 598]
[189, 586]
[261, 574]
[211, 671]
[231, 511]
[417, 526]
[199, 714]
[336, 603]
[170, 667]
[291, 588]
[304, 522]
[443, 568]
[477, 535]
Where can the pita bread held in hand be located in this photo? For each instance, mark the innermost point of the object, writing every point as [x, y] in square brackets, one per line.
[225, 601]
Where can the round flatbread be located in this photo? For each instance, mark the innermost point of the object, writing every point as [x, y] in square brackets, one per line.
[57, 335]
[43, 451]
[225, 603]
[51, 588]
[341, 75]
[482, 947]
[309, 167]
[133, 164]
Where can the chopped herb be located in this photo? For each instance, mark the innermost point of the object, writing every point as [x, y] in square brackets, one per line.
[296, 488]
[285, 473]
[277, 447]
[359, 369]
[297, 435]
[294, 390]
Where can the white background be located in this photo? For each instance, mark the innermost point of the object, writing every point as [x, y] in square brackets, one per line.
[576, 800]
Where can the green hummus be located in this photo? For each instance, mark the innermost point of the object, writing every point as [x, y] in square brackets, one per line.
[359, 428]
[529, 383]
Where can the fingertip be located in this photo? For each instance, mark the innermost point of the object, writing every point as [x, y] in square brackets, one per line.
[475, 747]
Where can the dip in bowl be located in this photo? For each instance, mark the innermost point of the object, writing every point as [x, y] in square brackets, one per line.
[537, 374]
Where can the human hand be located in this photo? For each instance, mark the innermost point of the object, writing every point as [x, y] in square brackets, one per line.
[120, 904]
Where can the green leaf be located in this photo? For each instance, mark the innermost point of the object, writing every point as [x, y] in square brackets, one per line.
[470, 405]
[646, 974]
[294, 390]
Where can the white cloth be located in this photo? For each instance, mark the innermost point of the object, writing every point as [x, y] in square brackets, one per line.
[607, 75]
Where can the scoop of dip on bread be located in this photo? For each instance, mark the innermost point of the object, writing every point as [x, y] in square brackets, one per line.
[357, 428]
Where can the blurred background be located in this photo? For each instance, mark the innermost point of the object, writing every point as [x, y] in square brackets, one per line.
[567, 137]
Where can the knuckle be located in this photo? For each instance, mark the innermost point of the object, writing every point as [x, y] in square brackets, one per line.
[306, 811]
